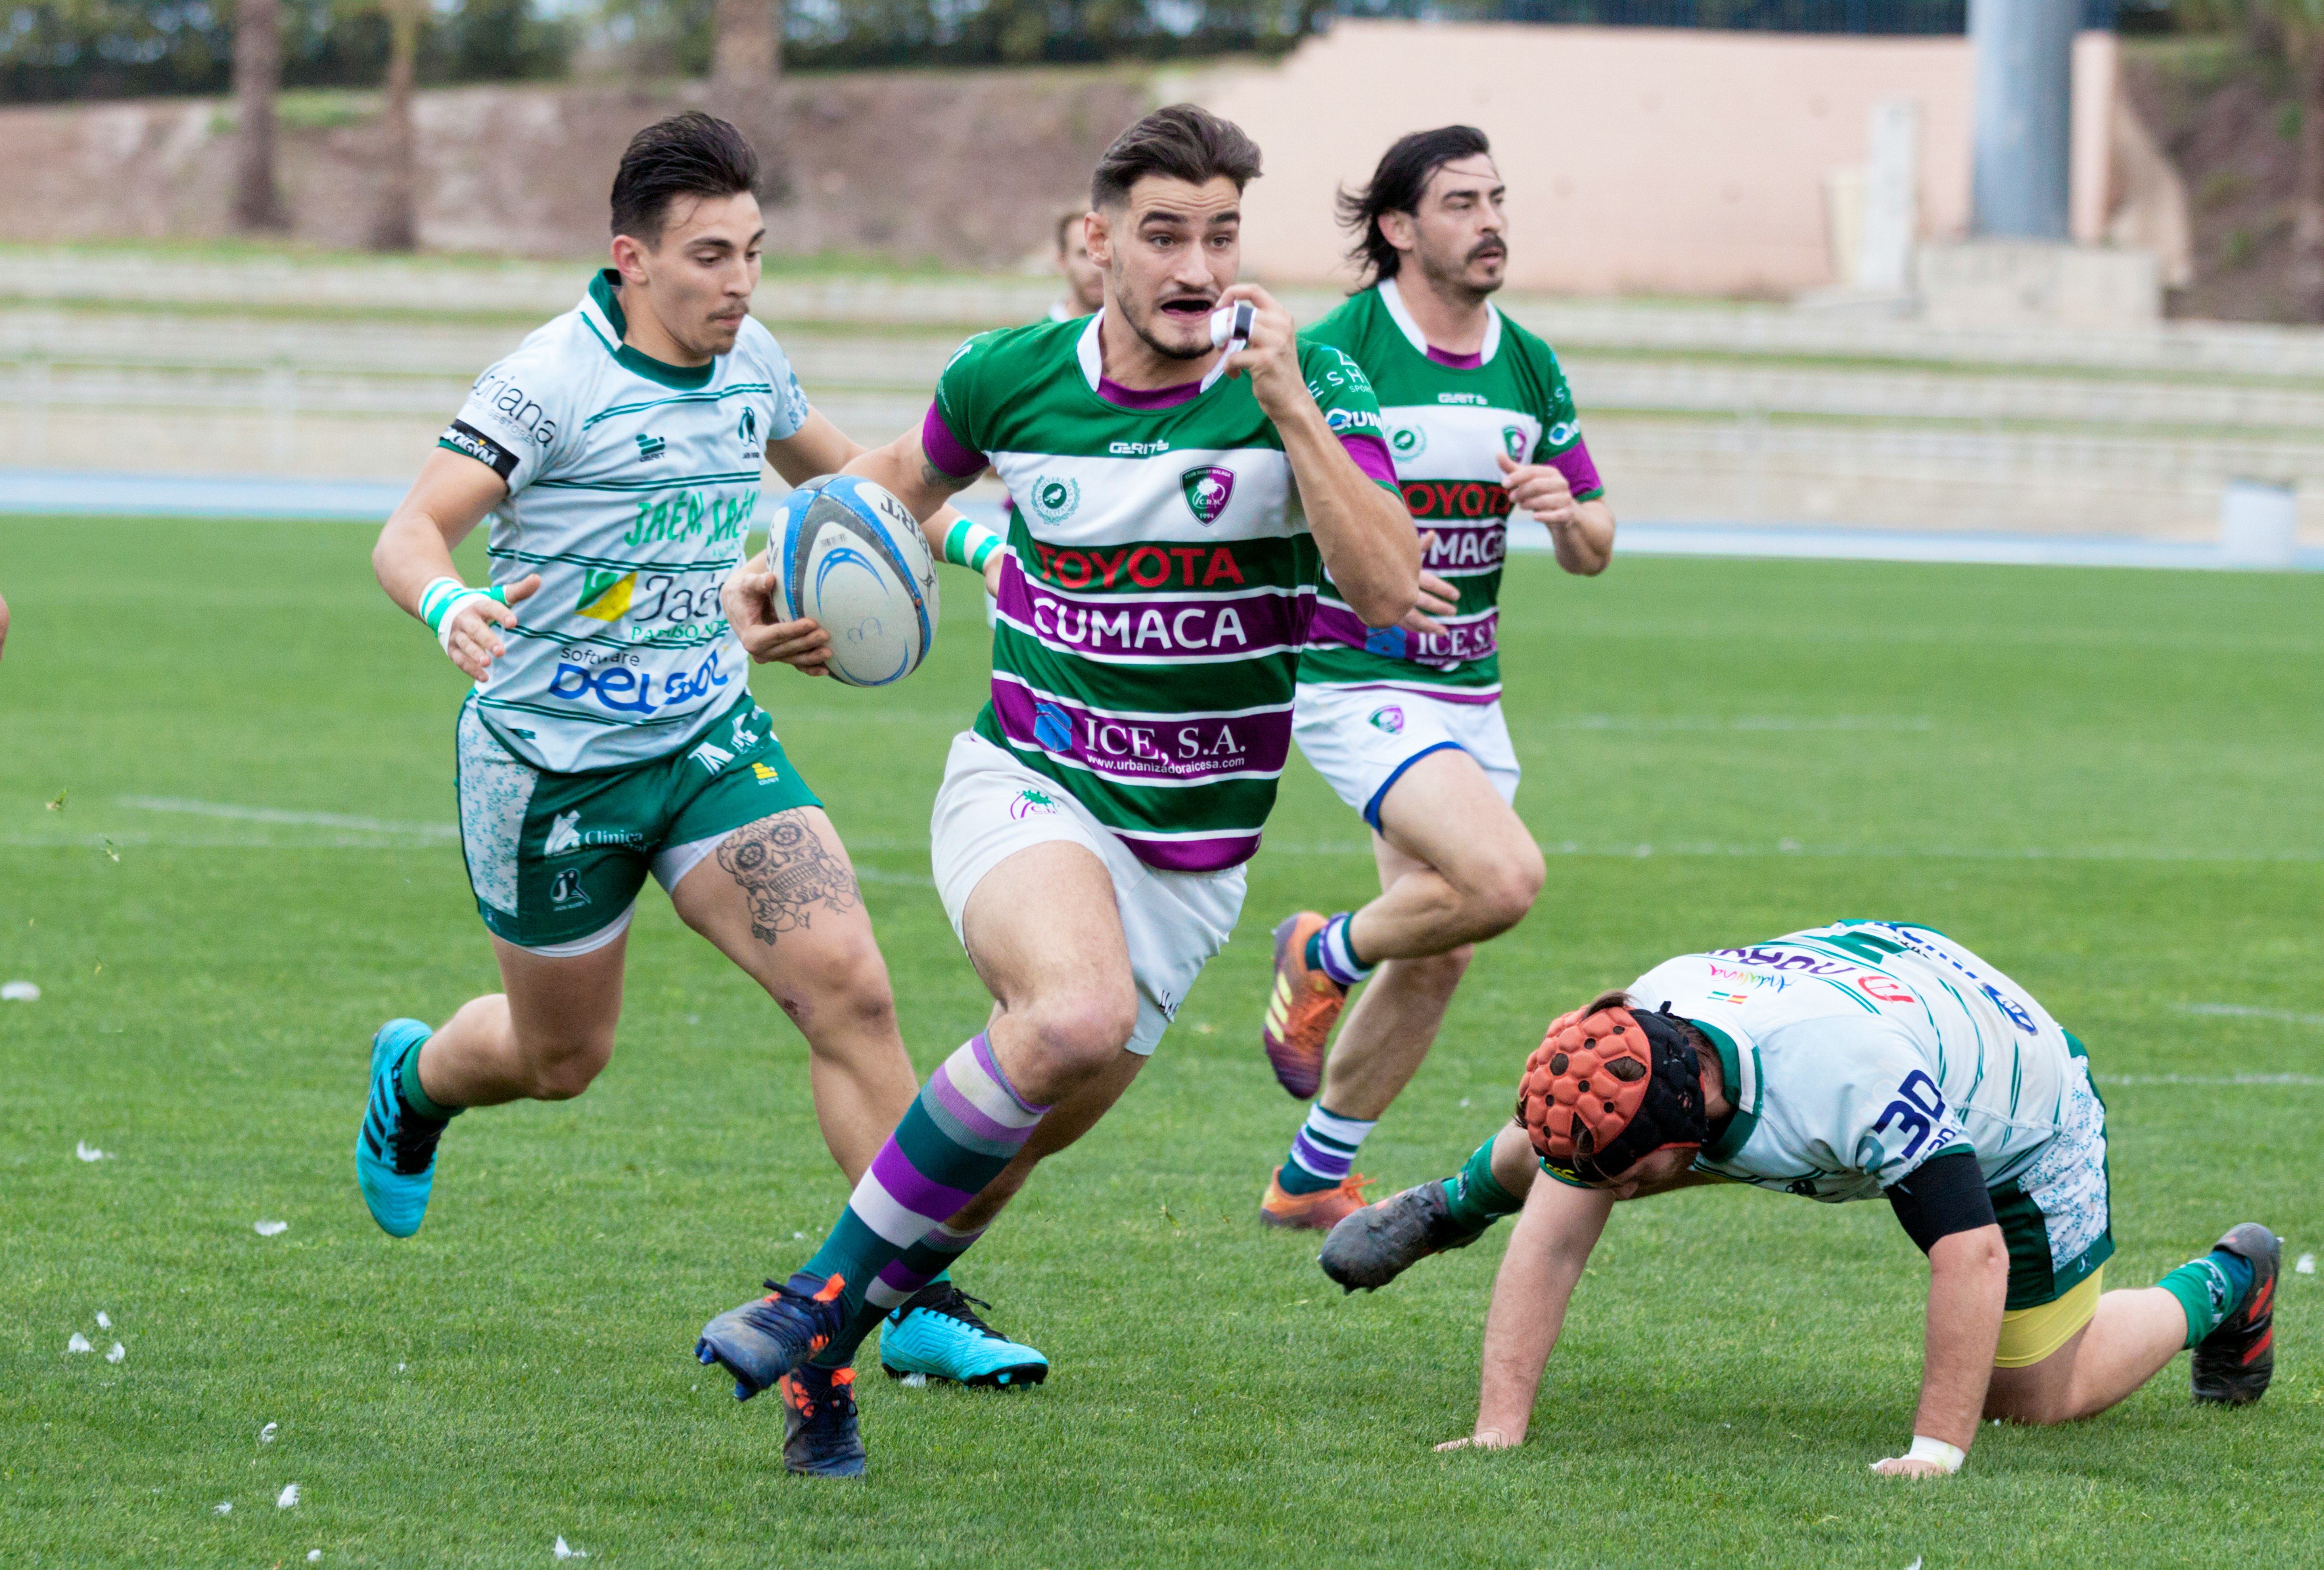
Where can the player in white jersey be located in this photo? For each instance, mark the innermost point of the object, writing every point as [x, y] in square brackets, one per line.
[1407, 730]
[611, 732]
[1858, 1061]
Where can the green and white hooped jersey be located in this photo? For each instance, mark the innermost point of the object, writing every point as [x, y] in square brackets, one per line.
[631, 487]
[1448, 419]
[1157, 586]
[1855, 1053]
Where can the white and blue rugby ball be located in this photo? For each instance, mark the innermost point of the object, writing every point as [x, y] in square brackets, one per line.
[847, 553]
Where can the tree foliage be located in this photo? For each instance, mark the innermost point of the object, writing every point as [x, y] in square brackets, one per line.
[103, 49]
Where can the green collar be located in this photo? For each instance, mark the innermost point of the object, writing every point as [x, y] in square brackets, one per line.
[1731, 1067]
[606, 290]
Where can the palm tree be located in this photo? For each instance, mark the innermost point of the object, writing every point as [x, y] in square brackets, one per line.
[257, 76]
[397, 226]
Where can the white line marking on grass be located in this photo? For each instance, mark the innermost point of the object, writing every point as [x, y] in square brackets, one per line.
[1738, 722]
[284, 815]
[2211, 1078]
[2246, 1011]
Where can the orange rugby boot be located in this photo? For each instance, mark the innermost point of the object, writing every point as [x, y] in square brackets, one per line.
[1318, 1212]
[1302, 1007]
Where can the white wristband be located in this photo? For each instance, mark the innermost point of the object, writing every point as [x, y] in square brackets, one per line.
[1948, 1457]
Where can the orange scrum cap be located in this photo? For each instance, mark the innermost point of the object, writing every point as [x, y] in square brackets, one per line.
[1607, 1088]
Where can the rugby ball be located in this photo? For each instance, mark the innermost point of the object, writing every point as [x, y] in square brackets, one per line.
[851, 556]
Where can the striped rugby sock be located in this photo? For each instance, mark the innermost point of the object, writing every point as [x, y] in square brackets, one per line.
[1332, 952]
[1324, 1150]
[891, 1240]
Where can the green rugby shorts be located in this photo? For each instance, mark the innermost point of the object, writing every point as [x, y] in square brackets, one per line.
[556, 860]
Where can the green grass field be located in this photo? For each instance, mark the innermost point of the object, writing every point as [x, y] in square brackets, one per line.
[2105, 782]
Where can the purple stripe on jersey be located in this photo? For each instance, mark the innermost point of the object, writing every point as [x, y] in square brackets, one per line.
[946, 450]
[1458, 362]
[948, 1097]
[1480, 695]
[1146, 398]
[1133, 625]
[1466, 639]
[1581, 474]
[1215, 854]
[1371, 454]
[1162, 748]
[922, 1196]
[1465, 546]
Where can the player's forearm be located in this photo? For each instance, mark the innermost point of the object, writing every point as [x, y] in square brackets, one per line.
[1586, 545]
[1365, 537]
[411, 555]
[1968, 1283]
[902, 469]
[1530, 1293]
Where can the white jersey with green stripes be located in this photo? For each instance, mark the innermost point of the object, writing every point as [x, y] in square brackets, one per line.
[631, 487]
[1855, 1053]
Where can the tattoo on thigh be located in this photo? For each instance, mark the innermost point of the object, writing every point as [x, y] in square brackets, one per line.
[785, 871]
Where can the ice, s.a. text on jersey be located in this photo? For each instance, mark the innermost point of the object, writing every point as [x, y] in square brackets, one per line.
[631, 485]
[1448, 424]
[1158, 585]
[1855, 1053]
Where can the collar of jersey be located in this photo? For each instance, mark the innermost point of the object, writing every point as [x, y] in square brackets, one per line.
[608, 308]
[1393, 298]
[1093, 361]
[1745, 1089]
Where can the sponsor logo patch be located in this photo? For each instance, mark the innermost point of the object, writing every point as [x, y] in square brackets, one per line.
[766, 776]
[605, 595]
[1052, 728]
[711, 757]
[567, 893]
[1388, 718]
[563, 833]
[1207, 490]
[1407, 441]
[650, 449]
[466, 440]
[1053, 500]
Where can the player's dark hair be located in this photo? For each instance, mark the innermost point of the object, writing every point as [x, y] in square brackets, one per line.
[1180, 142]
[1617, 998]
[693, 154]
[1397, 186]
[1065, 222]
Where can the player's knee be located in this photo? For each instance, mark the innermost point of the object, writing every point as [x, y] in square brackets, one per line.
[563, 1071]
[1080, 1029]
[841, 984]
[1500, 894]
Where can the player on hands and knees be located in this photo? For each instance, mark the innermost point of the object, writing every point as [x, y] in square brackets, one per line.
[1090, 837]
[1406, 726]
[1854, 1061]
[610, 732]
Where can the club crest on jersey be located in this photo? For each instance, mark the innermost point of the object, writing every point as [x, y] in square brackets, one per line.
[567, 893]
[1053, 500]
[1207, 491]
[1407, 441]
[1028, 803]
[747, 432]
[1389, 719]
[1513, 442]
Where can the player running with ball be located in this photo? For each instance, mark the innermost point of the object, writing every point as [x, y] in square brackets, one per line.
[1091, 833]
[612, 732]
[1406, 726]
[1858, 1061]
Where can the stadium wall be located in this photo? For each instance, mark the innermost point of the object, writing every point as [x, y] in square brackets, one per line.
[1639, 160]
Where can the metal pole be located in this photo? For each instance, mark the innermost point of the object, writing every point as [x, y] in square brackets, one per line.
[2024, 56]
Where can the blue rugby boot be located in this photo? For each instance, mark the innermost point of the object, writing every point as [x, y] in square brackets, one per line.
[937, 1332]
[395, 1151]
[767, 1337]
[819, 1436]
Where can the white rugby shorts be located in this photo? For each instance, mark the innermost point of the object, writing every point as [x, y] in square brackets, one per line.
[1361, 739]
[990, 806]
